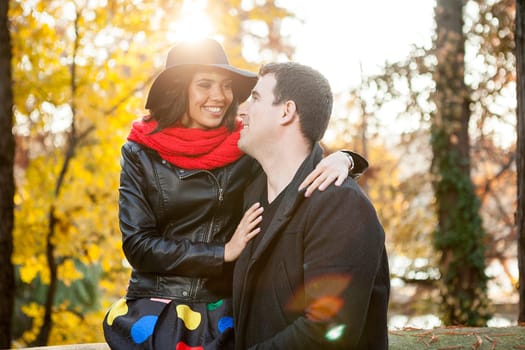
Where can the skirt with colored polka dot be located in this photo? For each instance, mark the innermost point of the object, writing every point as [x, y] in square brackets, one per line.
[153, 323]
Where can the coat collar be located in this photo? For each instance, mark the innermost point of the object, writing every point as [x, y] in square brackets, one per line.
[292, 198]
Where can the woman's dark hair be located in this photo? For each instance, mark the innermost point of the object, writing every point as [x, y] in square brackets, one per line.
[175, 104]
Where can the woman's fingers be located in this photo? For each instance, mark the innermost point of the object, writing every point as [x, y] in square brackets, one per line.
[253, 233]
[249, 223]
[246, 230]
[331, 170]
[253, 225]
[310, 179]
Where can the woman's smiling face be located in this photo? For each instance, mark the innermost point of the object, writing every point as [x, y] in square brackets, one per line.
[210, 94]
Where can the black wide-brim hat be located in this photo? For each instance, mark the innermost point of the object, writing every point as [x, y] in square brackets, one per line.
[192, 55]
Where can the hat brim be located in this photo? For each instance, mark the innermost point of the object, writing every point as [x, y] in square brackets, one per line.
[243, 82]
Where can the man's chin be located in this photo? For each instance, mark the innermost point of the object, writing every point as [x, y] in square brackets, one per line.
[242, 145]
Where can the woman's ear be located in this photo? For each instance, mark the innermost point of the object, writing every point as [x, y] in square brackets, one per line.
[289, 112]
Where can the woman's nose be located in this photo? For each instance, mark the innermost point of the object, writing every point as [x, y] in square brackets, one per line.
[217, 93]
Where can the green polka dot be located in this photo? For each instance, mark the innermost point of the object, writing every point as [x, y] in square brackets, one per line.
[215, 305]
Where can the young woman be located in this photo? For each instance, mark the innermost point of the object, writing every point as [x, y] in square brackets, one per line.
[180, 201]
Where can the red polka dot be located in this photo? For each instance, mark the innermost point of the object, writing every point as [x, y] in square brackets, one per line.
[182, 346]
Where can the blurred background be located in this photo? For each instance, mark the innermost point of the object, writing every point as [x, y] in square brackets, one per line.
[431, 105]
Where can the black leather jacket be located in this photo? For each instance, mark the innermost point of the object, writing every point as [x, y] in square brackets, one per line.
[175, 222]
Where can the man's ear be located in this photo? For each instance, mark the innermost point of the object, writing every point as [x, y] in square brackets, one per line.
[289, 113]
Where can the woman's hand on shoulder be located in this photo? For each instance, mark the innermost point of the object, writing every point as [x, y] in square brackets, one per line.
[334, 168]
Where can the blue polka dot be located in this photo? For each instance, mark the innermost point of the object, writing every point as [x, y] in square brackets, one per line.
[225, 323]
[143, 328]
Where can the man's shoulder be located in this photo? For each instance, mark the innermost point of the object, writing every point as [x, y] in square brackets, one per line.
[349, 194]
[349, 187]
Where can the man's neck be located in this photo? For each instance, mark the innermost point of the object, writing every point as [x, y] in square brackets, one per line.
[281, 166]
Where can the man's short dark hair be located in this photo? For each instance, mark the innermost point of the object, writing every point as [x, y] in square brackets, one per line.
[310, 91]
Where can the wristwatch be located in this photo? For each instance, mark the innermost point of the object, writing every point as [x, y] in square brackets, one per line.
[349, 156]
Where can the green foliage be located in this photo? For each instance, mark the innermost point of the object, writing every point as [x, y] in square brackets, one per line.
[79, 297]
[460, 239]
[459, 236]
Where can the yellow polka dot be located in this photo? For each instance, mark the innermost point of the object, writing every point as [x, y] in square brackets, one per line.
[190, 318]
[118, 309]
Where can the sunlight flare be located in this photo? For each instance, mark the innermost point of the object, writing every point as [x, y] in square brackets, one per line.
[193, 23]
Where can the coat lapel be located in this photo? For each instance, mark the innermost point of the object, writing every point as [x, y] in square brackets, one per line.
[244, 274]
[291, 200]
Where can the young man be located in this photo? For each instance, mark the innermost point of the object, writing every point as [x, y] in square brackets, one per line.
[316, 276]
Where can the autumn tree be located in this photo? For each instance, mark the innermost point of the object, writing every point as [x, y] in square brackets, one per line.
[408, 92]
[459, 235]
[520, 158]
[82, 71]
[7, 153]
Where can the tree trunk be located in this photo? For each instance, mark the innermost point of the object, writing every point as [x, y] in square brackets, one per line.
[459, 235]
[7, 184]
[520, 159]
[47, 325]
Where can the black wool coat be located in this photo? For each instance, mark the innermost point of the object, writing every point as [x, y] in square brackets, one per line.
[319, 277]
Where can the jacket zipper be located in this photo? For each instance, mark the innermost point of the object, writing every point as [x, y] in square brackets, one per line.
[219, 187]
[220, 197]
[196, 283]
[220, 191]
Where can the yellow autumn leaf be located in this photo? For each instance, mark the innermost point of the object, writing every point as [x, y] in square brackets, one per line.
[93, 252]
[68, 272]
[29, 270]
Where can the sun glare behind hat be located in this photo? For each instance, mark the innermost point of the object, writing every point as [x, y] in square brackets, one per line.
[206, 52]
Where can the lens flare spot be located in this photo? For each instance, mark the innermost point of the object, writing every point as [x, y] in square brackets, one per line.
[324, 308]
[325, 290]
[335, 332]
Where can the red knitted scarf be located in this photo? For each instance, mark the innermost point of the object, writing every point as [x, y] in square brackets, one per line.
[190, 148]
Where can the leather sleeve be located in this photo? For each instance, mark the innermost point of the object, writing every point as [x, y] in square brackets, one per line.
[144, 246]
[360, 164]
